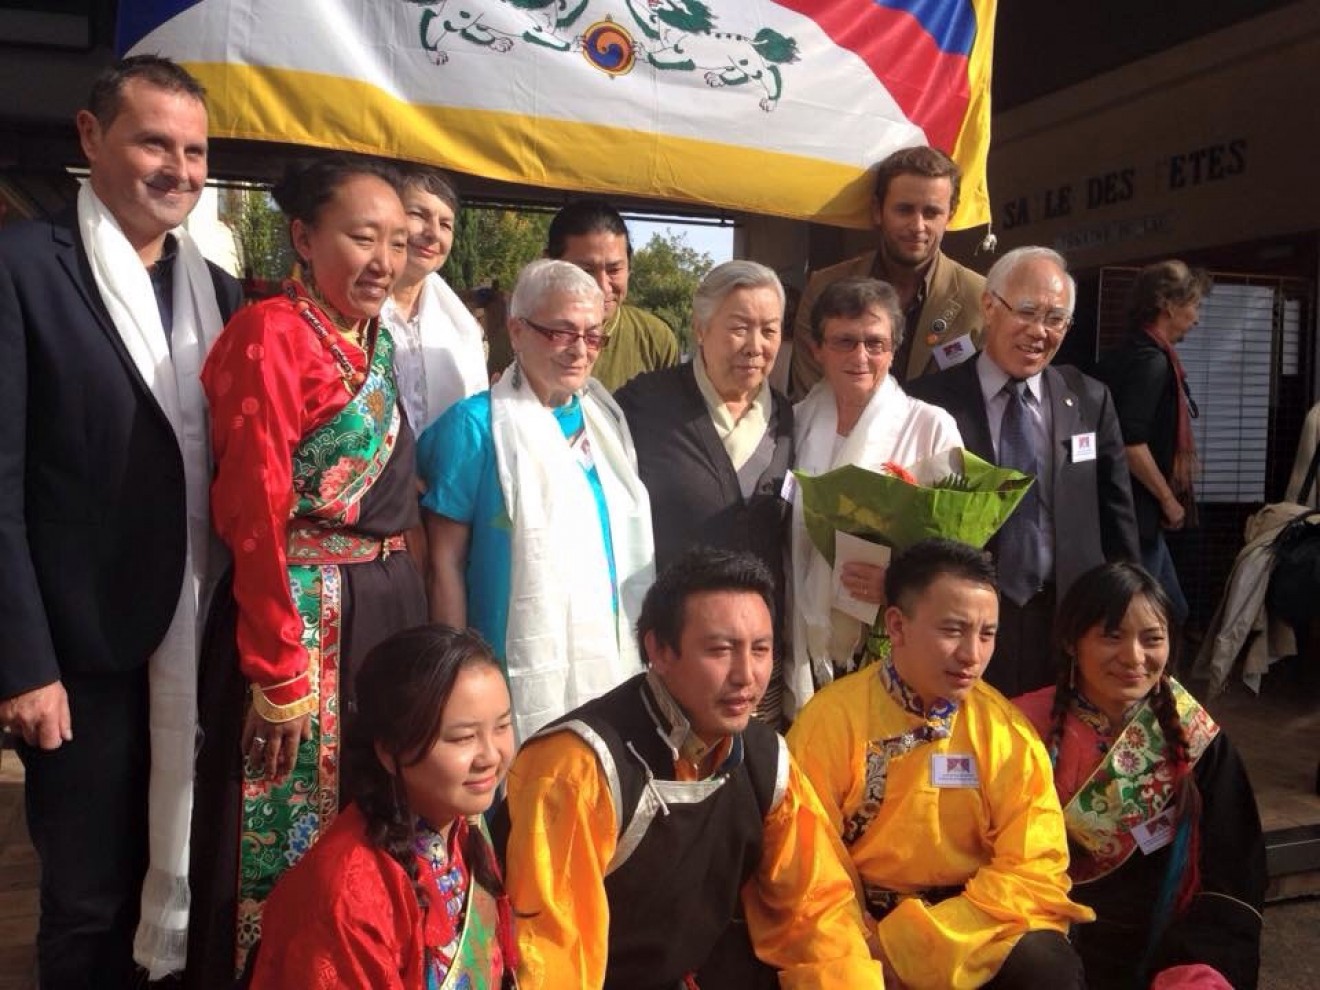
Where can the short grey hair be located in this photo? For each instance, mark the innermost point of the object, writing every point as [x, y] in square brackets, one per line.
[1002, 270]
[725, 278]
[853, 297]
[545, 275]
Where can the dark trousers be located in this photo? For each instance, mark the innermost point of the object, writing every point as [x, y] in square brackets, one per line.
[1025, 658]
[1155, 557]
[87, 817]
[1040, 961]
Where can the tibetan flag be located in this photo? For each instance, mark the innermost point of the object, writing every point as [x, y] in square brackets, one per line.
[768, 107]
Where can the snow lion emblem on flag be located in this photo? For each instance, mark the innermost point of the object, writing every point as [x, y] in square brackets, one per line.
[672, 36]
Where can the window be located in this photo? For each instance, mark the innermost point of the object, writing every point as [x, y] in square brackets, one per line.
[1246, 366]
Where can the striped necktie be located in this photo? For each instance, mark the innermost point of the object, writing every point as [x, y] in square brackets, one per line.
[1019, 556]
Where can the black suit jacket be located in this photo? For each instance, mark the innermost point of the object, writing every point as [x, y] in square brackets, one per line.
[92, 504]
[1092, 500]
[695, 496]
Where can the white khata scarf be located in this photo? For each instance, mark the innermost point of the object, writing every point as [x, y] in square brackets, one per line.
[565, 644]
[448, 360]
[171, 374]
[892, 427]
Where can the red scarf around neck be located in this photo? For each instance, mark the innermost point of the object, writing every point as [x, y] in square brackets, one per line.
[1185, 463]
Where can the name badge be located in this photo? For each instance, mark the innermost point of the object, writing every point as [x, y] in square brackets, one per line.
[953, 770]
[953, 352]
[789, 488]
[1156, 833]
[1083, 447]
[581, 446]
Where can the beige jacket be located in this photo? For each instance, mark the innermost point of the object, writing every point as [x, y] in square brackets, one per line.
[953, 308]
[1242, 610]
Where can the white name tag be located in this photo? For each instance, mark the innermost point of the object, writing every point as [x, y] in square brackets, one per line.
[953, 352]
[954, 770]
[1155, 834]
[789, 488]
[582, 451]
[1083, 447]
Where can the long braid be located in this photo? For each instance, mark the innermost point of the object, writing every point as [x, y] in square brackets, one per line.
[1063, 690]
[1182, 875]
[1176, 746]
[390, 828]
[480, 857]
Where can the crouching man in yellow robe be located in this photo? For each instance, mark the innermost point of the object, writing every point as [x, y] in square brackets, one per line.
[942, 792]
[660, 837]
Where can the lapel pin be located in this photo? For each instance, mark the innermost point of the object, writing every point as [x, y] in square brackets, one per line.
[1068, 401]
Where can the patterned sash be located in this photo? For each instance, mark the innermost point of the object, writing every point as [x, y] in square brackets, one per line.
[471, 960]
[938, 722]
[478, 963]
[333, 468]
[1132, 784]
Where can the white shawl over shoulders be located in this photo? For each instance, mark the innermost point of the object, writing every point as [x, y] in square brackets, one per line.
[446, 363]
[893, 427]
[170, 370]
[565, 644]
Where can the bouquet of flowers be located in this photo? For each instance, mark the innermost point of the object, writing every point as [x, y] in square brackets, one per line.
[954, 494]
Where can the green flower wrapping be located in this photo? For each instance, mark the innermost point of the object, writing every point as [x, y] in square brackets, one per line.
[956, 495]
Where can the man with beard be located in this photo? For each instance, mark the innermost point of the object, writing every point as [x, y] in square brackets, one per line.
[106, 313]
[916, 194]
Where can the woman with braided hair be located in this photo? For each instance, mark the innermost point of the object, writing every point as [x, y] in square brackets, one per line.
[403, 891]
[1162, 825]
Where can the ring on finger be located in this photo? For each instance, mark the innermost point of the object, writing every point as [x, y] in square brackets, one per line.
[259, 740]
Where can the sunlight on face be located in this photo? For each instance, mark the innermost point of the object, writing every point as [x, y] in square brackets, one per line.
[1118, 667]
[471, 755]
[740, 340]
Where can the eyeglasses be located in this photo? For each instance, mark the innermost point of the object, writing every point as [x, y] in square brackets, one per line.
[1053, 320]
[875, 346]
[593, 339]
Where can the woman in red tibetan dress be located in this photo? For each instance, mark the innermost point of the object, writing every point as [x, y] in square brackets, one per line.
[403, 891]
[314, 488]
[1163, 833]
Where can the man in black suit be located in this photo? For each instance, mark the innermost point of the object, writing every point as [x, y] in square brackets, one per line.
[1014, 409]
[105, 316]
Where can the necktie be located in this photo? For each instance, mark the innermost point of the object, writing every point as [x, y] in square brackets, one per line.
[1020, 568]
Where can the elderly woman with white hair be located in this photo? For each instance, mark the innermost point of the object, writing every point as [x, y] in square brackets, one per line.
[715, 441]
[539, 526]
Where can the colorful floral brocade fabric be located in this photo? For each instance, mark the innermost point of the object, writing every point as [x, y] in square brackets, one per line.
[1132, 785]
[334, 466]
[936, 721]
[446, 879]
[463, 917]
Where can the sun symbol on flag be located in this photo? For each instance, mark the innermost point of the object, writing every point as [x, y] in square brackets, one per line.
[609, 48]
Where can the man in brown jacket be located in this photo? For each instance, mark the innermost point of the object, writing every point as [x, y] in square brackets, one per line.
[916, 194]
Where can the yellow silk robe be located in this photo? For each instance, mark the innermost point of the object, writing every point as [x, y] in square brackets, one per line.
[801, 911]
[1002, 841]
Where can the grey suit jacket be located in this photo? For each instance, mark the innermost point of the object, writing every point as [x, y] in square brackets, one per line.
[1094, 520]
